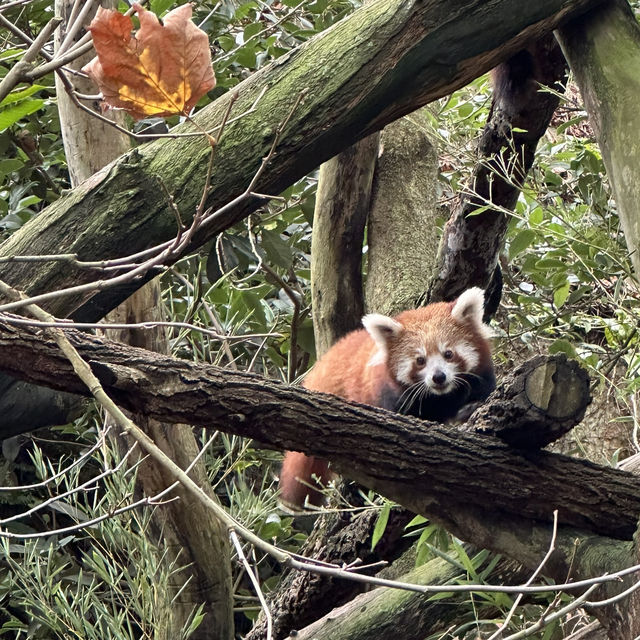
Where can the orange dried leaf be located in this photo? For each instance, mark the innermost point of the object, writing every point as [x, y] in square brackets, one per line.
[163, 70]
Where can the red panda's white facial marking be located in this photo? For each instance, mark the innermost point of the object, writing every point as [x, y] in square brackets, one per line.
[468, 354]
[439, 369]
[430, 351]
[430, 348]
[383, 330]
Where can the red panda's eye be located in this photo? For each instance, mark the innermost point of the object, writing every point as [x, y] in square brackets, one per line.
[421, 361]
[448, 354]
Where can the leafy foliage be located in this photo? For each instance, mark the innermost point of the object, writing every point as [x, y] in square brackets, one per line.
[92, 582]
[568, 288]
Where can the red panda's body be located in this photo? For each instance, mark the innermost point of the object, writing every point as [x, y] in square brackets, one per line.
[427, 362]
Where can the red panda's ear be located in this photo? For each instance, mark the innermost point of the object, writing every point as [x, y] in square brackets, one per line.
[381, 329]
[469, 307]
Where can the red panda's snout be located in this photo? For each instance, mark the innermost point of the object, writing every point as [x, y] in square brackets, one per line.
[439, 375]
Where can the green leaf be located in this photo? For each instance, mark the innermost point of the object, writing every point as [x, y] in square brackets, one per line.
[381, 524]
[17, 96]
[306, 339]
[563, 346]
[536, 216]
[28, 201]
[522, 241]
[8, 53]
[464, 559]
[246, 56]
[478, 211]
[160, 6]
[277, 250]
[443, 595]
[544, 264]
[569, 123]
[18, 111]
[10, 165]
[252, 29]
[465, 109]
[416, 521]
[560, 295]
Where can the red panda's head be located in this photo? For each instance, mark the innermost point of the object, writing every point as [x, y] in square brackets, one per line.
[431, 347]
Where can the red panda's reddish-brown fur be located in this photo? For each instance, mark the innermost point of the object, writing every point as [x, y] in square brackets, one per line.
[427, 362]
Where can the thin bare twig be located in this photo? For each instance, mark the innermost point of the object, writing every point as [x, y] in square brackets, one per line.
[153, 324]
[534, 575]
[543, 622]
[254, 581]
[80, 460]
[16, 74]
[81, 487]
[10, 5]
[73, 14]
[74, 25]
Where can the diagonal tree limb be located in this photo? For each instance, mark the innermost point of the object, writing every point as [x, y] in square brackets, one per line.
[386, 60]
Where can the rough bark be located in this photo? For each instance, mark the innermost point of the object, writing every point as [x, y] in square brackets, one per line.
[386, 60]
[603, 50]
[342, 205]
[402, 234]
[380, 613]
[339, 537]
[432, 469]
[471, 243]
[536, 404]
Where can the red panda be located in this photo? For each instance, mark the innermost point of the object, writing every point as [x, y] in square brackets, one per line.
[428, 362]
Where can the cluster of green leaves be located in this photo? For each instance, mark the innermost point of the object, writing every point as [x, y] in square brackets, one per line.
[568, 277]
[573, 269]
[32, 168]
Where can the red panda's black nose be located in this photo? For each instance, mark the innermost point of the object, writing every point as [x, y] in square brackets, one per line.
[439, 377]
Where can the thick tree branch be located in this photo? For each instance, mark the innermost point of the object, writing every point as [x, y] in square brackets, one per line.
[386, 60]
[471, 243]
[339, 219]
[430, 469]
